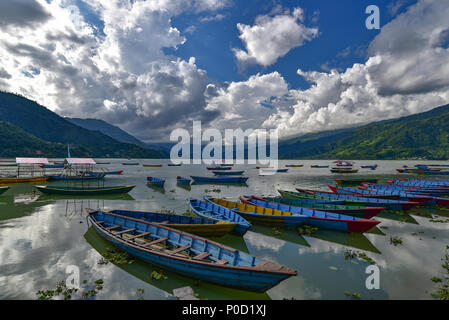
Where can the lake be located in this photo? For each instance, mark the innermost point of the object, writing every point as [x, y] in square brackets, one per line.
[41, 235]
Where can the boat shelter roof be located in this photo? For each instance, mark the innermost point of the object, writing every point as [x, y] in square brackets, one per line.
[80, 161]
[31, 160]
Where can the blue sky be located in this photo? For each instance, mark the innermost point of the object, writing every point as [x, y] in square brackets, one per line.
[150, 67]
[342, 41]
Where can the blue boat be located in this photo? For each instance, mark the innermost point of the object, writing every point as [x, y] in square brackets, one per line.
[155, 181]
[215, 212]
[187, 254]
[219, 168]
[221, 179]
[228, 173]
[182, 180]
[130, 163]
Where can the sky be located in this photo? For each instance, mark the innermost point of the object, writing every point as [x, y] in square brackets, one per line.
[296, 67]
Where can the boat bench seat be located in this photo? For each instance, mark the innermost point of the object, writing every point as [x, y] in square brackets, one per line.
[125, 231]
[112, 227]
[201, 256]
[165, 222]
[139, 235]
[177, 250]
[222, 261]
[155, 241]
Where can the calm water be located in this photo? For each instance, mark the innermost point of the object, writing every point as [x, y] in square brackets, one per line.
[41, 235]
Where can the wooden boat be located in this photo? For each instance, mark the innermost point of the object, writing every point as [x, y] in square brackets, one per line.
[294, 165]
[130, 163]
[374, 202]
[266, 167]
[362, 192]
[152, 165]
[228, 173]
[320, 219]
[373, 167]
[221, 179]
[344, 170]
[219, 168]
[80, 191]
[119, 172]
[259, 215]
[218, 213]
[355, 181]
[226, 164]
[174, 165]
[102, 162]
[3, 189]
[188, 254]
[5, 180]
[355, 211]
[182, 180]
[155, 181]
[315, 166]
[199, 226]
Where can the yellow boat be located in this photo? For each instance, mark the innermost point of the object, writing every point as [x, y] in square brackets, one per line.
[152, 165]
[4, 180]
[261, 215]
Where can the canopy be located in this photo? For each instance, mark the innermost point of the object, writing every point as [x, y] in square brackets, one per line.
[80, 161]
[31, 160]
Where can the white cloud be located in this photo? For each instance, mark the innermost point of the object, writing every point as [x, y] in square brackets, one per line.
[272, 37]
[120, 75]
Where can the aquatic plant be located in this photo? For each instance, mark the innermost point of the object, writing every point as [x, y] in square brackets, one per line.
[115, 256]
[307, 230]
[442, 291]
[395, 240]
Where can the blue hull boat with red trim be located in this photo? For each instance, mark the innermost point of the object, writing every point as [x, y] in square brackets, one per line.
[157, 182]
[221, 179]
[188, 254]
[320, 219]
[374, 202]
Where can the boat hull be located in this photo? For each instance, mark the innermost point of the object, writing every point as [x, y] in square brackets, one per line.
[23, 180]
[84, 191]
[224, 179]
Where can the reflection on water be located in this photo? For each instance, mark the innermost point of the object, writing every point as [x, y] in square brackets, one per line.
[40, 235]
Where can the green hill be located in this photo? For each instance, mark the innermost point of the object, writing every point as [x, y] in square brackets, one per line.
[39, 122]
[424, 135]
[107, 129]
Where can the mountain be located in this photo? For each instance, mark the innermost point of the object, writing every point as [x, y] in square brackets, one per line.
[107, 129]
[39, 122]
[424, 135]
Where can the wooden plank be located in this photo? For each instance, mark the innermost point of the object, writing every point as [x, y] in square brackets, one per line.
[177, 250]
[100, 222]
[155, 241]
[113, 227]
[268, 266]
[222, 261]
[165, 222]
[125, 231]
[201, 256]
[139, 235]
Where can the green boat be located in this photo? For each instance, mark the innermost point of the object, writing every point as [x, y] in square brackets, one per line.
[355, 181]
[300, 195]
[355, 211]
[3, 189]
[81, 191]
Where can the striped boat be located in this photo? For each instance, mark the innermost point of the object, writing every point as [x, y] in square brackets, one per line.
[217, 213]
[199, 226]
[228, 173]
[363, 192]
[188, 254]
[260, 215]
[320, 219]
[355, 211]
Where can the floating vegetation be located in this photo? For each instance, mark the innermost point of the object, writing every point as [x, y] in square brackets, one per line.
[383, 227]
[173, 190]
[140, 293]
[62, 291]
[307, 230]
[333, 268]
[115, 256]
[395, 240]
[438, 221]
[351, 254]
[158, 275]
[276, 232]
[442, 292]
[353, 294]
[189, 213]
[167, 211]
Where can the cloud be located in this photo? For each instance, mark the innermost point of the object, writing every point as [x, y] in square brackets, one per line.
[22, 13]
[120, 75]
[272, 37]
[217, 17]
